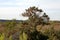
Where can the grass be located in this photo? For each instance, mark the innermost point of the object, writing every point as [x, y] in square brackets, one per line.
[10, 38]
[2, 36]
[23, 36]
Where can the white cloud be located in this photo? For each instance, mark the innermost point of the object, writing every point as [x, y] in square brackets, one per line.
[8, 13]
[51, 6]
[11, 13]
[19, 6]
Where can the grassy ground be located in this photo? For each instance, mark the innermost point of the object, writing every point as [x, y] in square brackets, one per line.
[23, 36]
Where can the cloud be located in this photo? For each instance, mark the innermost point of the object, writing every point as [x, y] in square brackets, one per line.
[11, 13]
[51, 6]
[13, 8]
[8, 13]
[18, 3]
[41, 3]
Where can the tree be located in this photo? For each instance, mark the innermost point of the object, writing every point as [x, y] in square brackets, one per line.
[33, 13]
[34, 19]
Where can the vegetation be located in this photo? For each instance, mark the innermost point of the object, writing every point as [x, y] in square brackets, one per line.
[31, 29]
[2, 36]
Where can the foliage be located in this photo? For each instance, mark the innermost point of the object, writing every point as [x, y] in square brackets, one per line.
[10, 38]
[2, 36]
[23, 36]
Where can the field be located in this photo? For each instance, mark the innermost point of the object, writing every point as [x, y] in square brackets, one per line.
[13, 30]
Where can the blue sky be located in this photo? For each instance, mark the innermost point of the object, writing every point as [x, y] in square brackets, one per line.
[12, 9]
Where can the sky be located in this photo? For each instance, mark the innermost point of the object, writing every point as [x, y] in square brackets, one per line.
[12, 9]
